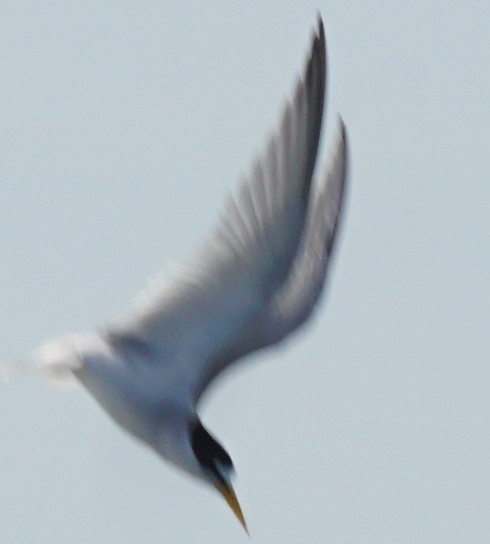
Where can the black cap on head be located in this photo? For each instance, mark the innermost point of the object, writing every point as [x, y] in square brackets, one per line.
[210, 454]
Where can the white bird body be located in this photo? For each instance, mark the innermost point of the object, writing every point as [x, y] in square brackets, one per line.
[257, 279]
[144, 399]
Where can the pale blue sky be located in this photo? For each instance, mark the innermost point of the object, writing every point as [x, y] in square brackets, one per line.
[123, 125]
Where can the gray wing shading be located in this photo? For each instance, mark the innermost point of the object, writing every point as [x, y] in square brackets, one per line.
[189, 319]
[294, 303]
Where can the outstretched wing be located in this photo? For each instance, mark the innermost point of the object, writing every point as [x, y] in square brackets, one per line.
[294, 303]
[188, 320]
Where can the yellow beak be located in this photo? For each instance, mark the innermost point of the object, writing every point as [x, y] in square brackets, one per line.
[231, 499]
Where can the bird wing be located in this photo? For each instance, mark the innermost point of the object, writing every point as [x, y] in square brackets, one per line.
[294, 303]
[188, 319]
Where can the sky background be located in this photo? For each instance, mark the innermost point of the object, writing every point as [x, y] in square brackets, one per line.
[122, 127]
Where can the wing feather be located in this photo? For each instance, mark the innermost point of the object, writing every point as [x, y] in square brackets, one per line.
[297, 299]
[191, 316]
[294, 303]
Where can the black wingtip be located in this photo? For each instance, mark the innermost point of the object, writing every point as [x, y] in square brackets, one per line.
[314, 78]
[320, 29]
[344, 138]
[318, 49]
[319, 37]
[316, 66]
[342, 128]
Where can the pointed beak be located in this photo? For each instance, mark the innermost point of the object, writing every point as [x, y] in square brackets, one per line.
[230, 497]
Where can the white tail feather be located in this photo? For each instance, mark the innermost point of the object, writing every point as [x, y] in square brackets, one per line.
[55, 362]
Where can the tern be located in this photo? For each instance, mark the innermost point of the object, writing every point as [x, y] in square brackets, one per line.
[256, 279]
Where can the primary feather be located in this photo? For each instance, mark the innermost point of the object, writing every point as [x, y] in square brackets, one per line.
[298, 296]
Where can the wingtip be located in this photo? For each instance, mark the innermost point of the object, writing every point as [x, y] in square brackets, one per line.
[342, 128]
[319, 40]
[344, 143]
[316, 65]
[320, 29]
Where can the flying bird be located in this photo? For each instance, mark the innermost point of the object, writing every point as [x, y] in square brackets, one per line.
[255, 280]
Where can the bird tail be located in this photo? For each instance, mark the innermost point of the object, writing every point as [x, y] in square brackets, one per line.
[55, 362]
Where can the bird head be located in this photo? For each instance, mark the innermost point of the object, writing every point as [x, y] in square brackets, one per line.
[216, 466]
